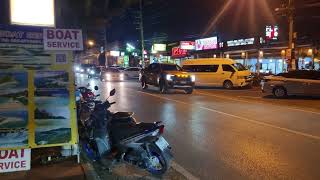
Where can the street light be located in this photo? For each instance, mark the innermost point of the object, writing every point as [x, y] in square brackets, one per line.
[91, 43]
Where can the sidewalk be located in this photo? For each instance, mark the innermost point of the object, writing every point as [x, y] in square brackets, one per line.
[70, 169]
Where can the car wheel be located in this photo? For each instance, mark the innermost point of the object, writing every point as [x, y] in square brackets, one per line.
[228, 84]
[279, 92]
[144, 84]
[162, 87]
[189, 90]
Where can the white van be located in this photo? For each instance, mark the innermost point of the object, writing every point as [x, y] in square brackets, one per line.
[218, 72]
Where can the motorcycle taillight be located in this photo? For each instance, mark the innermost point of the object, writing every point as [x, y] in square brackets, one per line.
[161, 129]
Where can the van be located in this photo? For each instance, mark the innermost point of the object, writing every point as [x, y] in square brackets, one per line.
[218, 72]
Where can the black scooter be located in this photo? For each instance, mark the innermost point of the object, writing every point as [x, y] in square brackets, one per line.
[140, 144]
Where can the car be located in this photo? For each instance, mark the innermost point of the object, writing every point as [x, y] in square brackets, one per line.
[301, 82]
[166, 76]
[132, 72]
[94, 72]
[111, 74]
[221, 72]
[83, 68]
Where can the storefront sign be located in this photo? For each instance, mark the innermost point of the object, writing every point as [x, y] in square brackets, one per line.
[14, 160]
[188, 45]
[159, 47]
[206, 44]
[115, 53]
[272, 32]
[178, 52]
[62, 39]
[240, 42]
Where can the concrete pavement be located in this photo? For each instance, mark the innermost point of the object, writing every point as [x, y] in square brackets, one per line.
[226, 138]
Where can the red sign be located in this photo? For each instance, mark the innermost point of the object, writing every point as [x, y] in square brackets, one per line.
[272, 32]
[178, 52]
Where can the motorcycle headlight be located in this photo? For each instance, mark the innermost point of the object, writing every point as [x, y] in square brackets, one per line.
[169, 77]
[193, 78]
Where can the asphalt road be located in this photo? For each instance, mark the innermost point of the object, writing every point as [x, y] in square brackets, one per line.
[219, 134]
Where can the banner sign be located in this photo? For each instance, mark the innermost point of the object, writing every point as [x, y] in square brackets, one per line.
[178, 52]
[63, 39]
[20, 35]
[207, 44]
[15, 160]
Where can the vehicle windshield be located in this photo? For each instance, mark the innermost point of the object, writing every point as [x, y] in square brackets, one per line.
[171, 67]
[239, 67]
[112, 70]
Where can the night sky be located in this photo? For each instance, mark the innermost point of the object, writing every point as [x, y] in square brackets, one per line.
[184, 19]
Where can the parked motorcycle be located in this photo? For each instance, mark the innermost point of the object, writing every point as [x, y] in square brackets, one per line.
[140, 144]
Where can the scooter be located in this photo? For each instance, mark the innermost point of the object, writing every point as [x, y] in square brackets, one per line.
[119, 135]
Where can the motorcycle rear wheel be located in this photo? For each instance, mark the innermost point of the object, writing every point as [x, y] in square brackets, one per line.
[159, 164]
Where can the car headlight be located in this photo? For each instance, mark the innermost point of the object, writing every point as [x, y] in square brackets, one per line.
[81, 70]
[121, 75]
[88, 70]
[77, 68]
[193, 78]
[169, 77]
[92, 72]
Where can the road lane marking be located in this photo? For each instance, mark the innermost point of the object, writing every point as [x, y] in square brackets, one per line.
[252, 97]
[241, 100]
[182, 171]
[239, 117]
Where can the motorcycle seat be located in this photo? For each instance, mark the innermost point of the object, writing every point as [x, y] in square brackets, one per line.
[121, 131]
[122, 115]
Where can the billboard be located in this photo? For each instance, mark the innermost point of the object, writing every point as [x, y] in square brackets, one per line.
[240, 42]
[207, 43]
[32, 12]
[187, 45]
[272, 32]
[159, 47]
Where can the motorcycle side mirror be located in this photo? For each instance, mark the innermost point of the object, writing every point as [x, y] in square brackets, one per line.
[112, 92]
[96, 88]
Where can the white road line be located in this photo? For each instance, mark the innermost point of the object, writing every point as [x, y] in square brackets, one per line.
[252, 97]
[241, 100]
[184, 172]
[242, 118]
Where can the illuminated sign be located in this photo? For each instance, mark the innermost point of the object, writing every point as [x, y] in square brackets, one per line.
[187, 45]
[115, 53]
[159, 47]
[32, 12]
[178, 52]
[206, 44]
[62, 39]
[272, 32]
[240, 42]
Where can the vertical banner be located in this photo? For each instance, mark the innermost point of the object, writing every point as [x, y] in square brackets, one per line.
[37, 107]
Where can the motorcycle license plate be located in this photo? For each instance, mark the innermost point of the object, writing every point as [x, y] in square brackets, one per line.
[162, 143]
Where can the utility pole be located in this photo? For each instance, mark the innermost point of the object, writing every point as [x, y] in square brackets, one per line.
[289, 11]
[142, 34]
[292, 37]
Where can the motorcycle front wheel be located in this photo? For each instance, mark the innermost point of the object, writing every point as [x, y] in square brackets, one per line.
[158, 164]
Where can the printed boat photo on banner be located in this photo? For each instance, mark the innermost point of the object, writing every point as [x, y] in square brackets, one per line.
[13, 128]
[53, 125]
[13, 90]
[51, 80]
[52, 98]
[13, 55]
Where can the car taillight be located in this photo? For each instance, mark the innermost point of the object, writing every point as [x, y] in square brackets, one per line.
[161, 129]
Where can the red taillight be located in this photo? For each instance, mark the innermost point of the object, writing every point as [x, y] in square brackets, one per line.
[161, 129]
